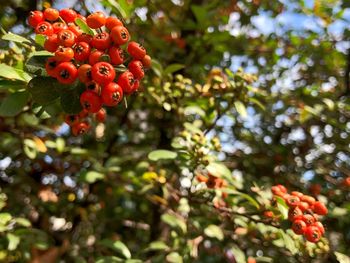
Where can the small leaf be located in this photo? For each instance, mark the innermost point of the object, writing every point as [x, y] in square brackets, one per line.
[214, 231]
[44, 90]
[238, 254]
[175, 222]
[84, 27]
[117, 246]
[174, 257]
[342, 258]
[5, 218]
[173, 68]
[15, 38]
[241, 109]
[23, 222]
[40, 40]
[200, 13]
[13, 104]
[109, 259]
[11, 85]
[70, 102]
[13, 241]
[162, 155]
[36, 64]
[219, 170]
[91, 177]
[157, 245]
[9, 72]
[157, 67]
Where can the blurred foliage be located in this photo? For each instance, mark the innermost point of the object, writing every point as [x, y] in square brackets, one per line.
[226, 95]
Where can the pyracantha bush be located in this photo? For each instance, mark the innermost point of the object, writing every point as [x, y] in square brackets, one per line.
[104, 59]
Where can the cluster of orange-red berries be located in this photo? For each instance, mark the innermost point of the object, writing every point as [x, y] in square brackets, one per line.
[214, 182]
[91, 59]
[304, 212]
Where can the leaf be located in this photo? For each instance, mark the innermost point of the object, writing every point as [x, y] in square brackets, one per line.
[238, 254]
[9, 72]
[282, 207]
[219, 170]
[91, 177]
[289, 243]
[214, 231]
[40, 40]
[29, 148]
[173, 68]
[200, 13]
[162, 155]
[84, 27]
[14, 103]
[23, 222]
[36, 64]
[174, 257]
[117, 246]
[157, 67]
[13, 241]
[44, 90]
[15, 38]
[120, 6]
[244, 196]
[241, 109]
[70, 102]
[5, 218]
[342, 258]
[175, 222]
[109, 259]
[11, 85]
[157, 245]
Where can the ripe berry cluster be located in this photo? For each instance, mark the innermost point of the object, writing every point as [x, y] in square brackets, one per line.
[93, 59]
[214, 182]
[304, 212]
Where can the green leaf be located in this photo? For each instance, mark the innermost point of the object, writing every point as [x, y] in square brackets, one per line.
[23, 222]
[282, 207]
[36, 63]
[245, 196]
[157, 245]
[174, 257]
[175, 222]
[173, 68]
[13, 241]
[84, 27]
[241, 109]
[44, 90]
[162, 155]
[117, 246]
[157, 67]
[5, 218]
[289, 243]
[40, 40]
[219, 170]
[30, 148]
[238, 254]
[121, 6]
[91, 177]
[70, 101]
[342, 258]
[214, 231]
[8, 72]
[109, 259]
[15, 38]
[11, 85]
[13, 104]
[200, 13]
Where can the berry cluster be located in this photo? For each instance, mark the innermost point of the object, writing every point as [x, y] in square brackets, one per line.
[304, 212]
[97, 60]
[214, 182]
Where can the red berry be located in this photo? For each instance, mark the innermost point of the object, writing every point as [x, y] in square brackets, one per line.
[66, 73]
[96, 20]
[44, 28]
[308, 219]
[112, 94]
[80, 128]
[101, 41]
[320, 227]
[112, 22]
[64, 54]
[68, 15]
[101, 115]
[136, 68]
[136, 86]
[308, 199]
[120, 35]
[51, 43]
[95, 57]
[299, 226]
[50, 67]
[66, 38]
[84, 38]
[303, 206]
[93, 86]
[312, 234]
[296, 193]
[117, 55]
[294, 213]
[82, 51]
[83, 114]
[103, 73]
[71, 119]
[35, 17]
[137, 51]
[293, 201]
[320, 209]
[58, 26]
[90, 101]
[84, 73]
[126, 82]
[51, 14]
[75, 29]
[268, 214]
[147, 61]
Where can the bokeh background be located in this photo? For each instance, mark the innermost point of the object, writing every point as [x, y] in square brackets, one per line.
[261, 87]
